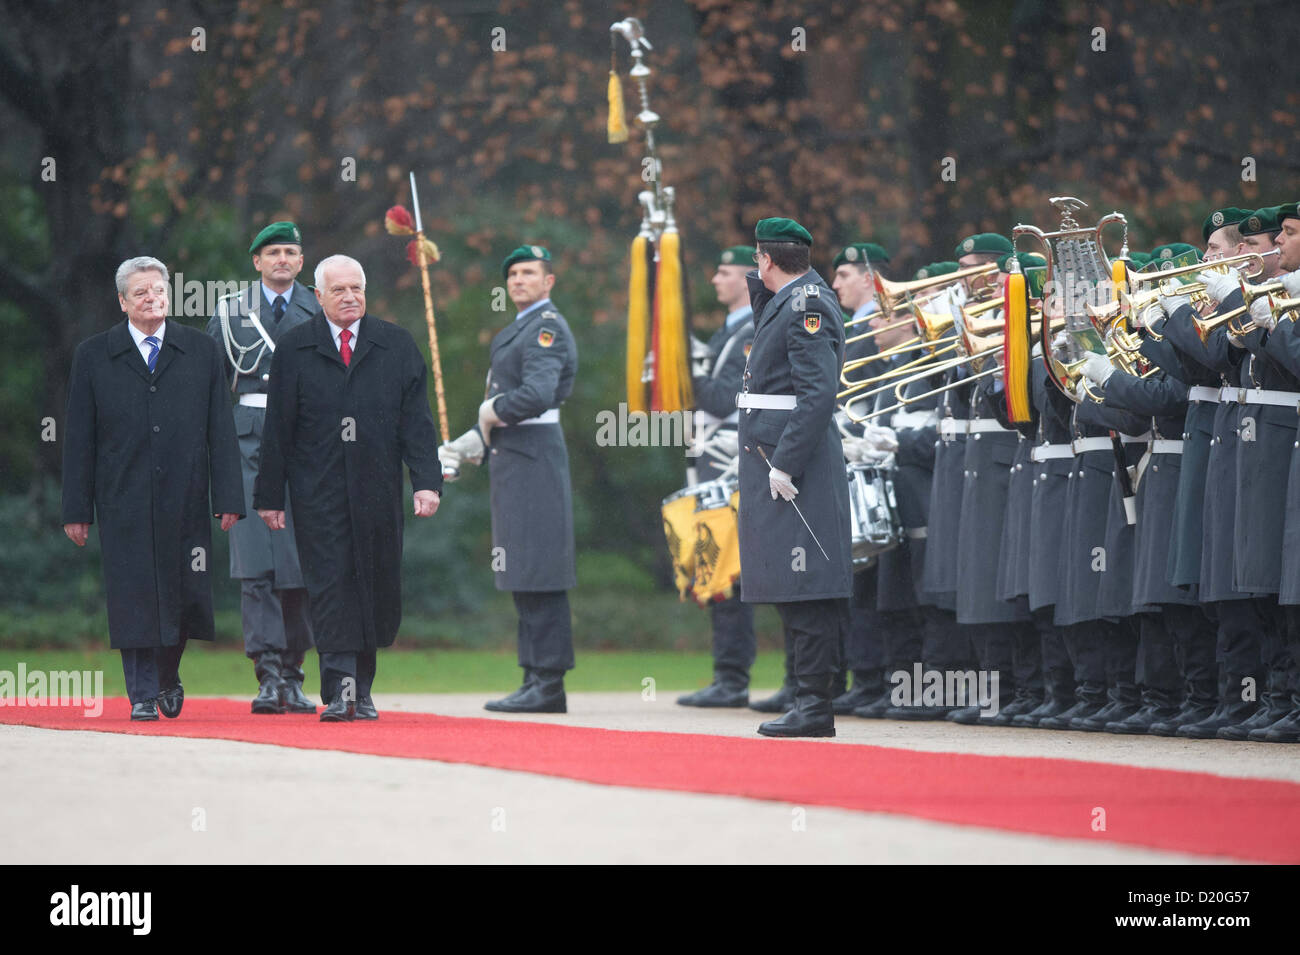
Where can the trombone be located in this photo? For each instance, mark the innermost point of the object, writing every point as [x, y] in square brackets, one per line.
[1216, 265]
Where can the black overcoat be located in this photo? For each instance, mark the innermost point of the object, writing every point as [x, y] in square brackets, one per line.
[339, 435]
[151, 459]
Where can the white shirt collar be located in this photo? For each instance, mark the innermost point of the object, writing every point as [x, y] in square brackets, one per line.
[335, 330]
[534, 307]
[738, 316]
[139, 336]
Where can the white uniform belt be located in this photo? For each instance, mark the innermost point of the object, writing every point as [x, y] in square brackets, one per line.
[950, 427]
[1261, 396]
[1083, 445]
[1135, 438]
[550, 416]
[976, 425]
[916, 533]
[904, 420]
[1050, 452]
[746, 399]
[1165, 446]
[1203, 393]
[253, 401]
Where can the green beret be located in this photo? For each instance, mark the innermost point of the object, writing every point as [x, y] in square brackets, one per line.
[781, 230]
[1217, 219]
[982, 242]
[1174, 255]
[1261, 221]
[936, 268]
[861, 253]
[1139, 259]
[737, 255]
[1028, 260]
[277, 232]
[525, 253]
[1287, 210]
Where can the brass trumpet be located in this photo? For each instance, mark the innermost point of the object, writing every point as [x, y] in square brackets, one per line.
[894, 295]
[1218, 265]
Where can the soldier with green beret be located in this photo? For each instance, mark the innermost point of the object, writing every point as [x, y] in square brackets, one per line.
[533, 362]
[1260, 232]
[717, 373]
[981, 249]
[1288, 237]
[273, 598]
[1221, 219]
[792, 469]
[935, 269]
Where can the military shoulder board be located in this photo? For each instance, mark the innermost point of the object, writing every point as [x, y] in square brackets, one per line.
[549, 313]
[812, 291]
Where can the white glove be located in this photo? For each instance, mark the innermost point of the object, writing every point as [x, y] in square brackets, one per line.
[1291, 282]
[1220, 285]
[701, 360]
[1262, 312]
[1037, 350]
[781, 485]
[880, 438]
[487, 419]
[1172, 303]
[1151, 314]
[1059, 342]
[854, 449]
[1097, 368]
[468, 447]
[878, 458]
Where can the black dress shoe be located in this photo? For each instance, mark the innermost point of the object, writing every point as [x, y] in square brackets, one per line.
[1115, 711]
[717, 695]
[171, 700]
[1285, 730]
[295, 700]
[782, 701]
[1140, 722]
[146, 711]
[811, 716]
[1082, 708]
[366, 709]
[530, 677]
[339, 711]
[1263, 718]
[546, 695]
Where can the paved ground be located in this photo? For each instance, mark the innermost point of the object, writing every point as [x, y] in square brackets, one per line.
[98, 798]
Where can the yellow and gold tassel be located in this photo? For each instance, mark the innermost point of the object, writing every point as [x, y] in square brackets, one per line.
[1118, 277]
[617, 127]
[638, 322]
[672, 385]
[1015, 345]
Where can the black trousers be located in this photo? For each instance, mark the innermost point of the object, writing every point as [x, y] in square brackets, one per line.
[275, 621]
[1057, 669]
[864, 644]
[1240, 641]
[1120, 643]
[151, 670]
[1085, 643]
[734, 644]
[1157, 662]
[545, 629]
[1195, 634]
[813, 627]
[338, 666]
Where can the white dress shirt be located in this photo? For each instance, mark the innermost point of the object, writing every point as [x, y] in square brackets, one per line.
[145, 348]
[355, 328]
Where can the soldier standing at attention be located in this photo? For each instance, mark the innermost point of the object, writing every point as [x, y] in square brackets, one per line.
[273, 596]
[533, 363]
[795, 554]
[714, 385]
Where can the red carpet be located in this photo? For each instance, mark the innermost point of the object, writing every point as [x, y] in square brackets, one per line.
[1254, 819]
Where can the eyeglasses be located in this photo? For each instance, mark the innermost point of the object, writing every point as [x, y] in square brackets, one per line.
[757, 254]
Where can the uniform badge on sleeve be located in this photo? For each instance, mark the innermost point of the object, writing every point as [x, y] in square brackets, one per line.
[812, 322]
[545, 337]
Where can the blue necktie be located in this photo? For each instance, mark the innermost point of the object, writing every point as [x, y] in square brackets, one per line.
[155, 344]
[278, 308]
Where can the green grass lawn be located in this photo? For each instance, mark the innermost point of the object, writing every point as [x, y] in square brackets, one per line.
[206, 670]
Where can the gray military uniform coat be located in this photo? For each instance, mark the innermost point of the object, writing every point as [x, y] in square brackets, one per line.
[255, 551]
[940, 578]
[533, 363]
[1051, 479]
[798, 350]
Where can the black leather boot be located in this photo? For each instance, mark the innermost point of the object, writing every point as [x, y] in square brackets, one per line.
[1140, 722]
[295, 700]
[1274, 708]
[876, 708]
[1023, 703]
[812, 714]
[1232, 709]
[269, 697]
[1285, 730]
[1089, 698]
[866, 689]
[782, 701]
[1115, 711]
[545, 695]
[530, 677]
[171, 700]
[340, 710]
[729, 690]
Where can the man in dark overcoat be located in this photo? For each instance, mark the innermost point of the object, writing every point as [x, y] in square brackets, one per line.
[533, 363]
[347, 405]
[150, 454]
[792, 464]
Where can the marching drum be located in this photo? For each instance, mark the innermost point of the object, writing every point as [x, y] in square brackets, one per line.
[703, 540]
[873, 512]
